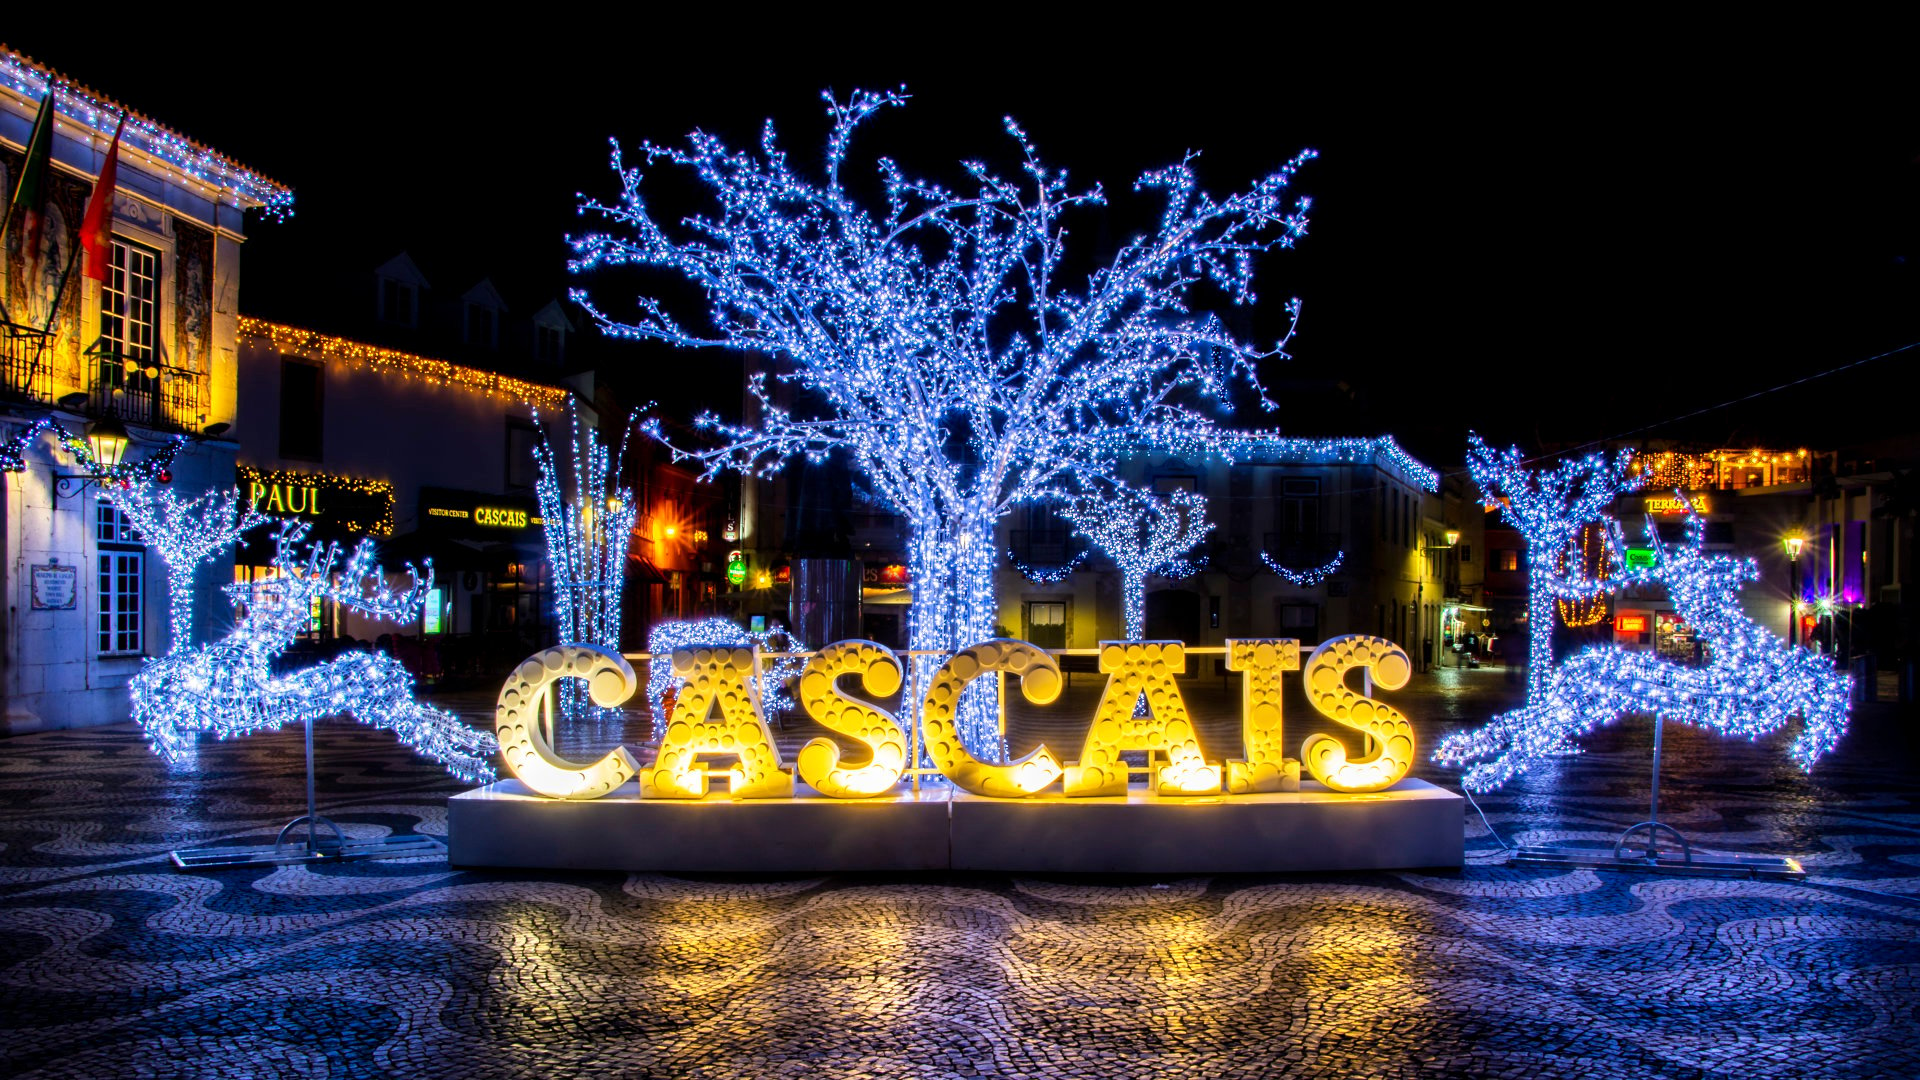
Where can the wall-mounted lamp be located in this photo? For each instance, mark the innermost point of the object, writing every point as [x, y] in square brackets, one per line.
[107, 442]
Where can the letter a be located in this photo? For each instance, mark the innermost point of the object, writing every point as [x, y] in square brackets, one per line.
[722, 676]
[1135, 668]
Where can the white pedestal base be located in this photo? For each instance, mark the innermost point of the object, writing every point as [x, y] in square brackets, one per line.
[503, 824]
[1414, 824]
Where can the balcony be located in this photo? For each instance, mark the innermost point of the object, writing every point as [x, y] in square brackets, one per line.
[141, 392]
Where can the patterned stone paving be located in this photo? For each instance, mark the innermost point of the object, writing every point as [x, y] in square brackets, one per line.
[114, 964]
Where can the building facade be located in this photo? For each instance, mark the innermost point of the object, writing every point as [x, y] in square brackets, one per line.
[151, 351]
[434, 460]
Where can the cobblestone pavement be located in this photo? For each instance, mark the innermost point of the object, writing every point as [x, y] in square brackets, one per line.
[114, 964]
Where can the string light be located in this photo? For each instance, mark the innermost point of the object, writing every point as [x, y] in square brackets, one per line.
[1594, 561]
[1751, 684]
[770, 684]
[311, 343]
[587, 538]
[1143, 534]
[230, 687]
[884, 316]
[1306, 579]
[1048, 576]
[327, 483]
[145, 141]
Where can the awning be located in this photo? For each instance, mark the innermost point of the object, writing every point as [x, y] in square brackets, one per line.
[886, 597]
[642, 572]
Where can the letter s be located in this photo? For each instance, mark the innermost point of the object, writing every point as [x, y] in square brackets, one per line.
[1389, 737]
[820, 762]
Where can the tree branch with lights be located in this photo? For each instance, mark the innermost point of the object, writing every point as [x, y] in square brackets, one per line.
[1144, 534]
[936, 338]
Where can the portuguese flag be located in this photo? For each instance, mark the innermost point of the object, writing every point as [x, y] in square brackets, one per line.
[30, 191]
[97, 227]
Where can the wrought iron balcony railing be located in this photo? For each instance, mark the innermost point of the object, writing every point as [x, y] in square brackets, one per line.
[134, 390]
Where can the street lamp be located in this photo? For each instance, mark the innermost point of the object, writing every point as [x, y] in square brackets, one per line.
[1795, 543]
[107, 444]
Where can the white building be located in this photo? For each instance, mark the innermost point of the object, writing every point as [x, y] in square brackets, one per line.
[152, 349]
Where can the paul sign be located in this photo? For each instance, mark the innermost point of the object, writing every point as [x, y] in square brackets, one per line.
[718, 714]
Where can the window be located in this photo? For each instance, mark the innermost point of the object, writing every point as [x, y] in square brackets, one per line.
[482, 325]
[1300, 507]
[550, 343]
[1506, 560]
[522, 472]
[302, 410]
[1047, 624]
[122, 561]
[1165, 484]
[128, 314]
[1301, 621]
[398, 303]
[1466, 554]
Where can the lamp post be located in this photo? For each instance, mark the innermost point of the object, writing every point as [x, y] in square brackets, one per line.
[1795, 543]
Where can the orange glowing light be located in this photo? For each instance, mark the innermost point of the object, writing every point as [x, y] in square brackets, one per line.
[1631, 624]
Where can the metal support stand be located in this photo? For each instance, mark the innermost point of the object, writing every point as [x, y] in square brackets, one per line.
[315, 848]
[1649, 859]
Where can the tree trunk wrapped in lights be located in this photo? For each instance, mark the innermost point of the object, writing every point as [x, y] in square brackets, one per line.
[587, 535]
[934, 339]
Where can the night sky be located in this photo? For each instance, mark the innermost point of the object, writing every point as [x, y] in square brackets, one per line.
[1545, 246]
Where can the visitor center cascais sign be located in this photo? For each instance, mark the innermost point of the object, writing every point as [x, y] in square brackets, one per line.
[718, 713]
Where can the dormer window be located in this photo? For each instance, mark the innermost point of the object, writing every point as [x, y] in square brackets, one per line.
[483, 326]
[550, 344]
[399, 303]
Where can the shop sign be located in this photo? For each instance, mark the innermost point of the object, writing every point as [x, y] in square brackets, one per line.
[719, 712]
[1631, 624]
[477, 513]
[1677, 504]
[352, 503]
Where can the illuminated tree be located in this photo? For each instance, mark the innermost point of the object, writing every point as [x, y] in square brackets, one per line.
[230, 687]
[1143, 534]
[1550, 508]
[587, 535]
[1752, 682]
[937, 338]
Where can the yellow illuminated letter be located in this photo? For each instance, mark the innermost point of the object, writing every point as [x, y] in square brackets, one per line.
[1262, 662]
[524, 721]
[1134, 668]
[1389, 738]
[722, 676]
[1039, 681]
[819, 762]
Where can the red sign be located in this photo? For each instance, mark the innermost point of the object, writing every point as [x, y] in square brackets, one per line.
[1631, 624]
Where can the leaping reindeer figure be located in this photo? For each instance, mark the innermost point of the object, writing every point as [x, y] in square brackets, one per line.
[1752, 682]
[230, 687]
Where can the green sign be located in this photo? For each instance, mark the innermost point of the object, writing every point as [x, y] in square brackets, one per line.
[1640, 558]
[736, 570]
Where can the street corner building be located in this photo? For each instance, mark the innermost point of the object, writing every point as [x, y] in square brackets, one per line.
[130, 341]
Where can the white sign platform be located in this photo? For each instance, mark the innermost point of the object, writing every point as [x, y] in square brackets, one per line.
[1412, 824]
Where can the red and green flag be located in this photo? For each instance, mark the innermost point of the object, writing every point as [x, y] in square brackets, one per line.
[30, 191]
[96, 228]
